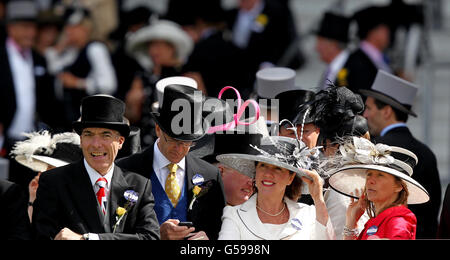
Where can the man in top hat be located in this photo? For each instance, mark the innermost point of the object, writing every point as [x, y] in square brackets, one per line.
[93, 198]
[374, 28]
[175, 173]
[388, 106]
[27, 98]
[331, 44]
[293, 106]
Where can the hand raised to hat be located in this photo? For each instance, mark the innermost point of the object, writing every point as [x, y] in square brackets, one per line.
[315, 186]
[355, 209]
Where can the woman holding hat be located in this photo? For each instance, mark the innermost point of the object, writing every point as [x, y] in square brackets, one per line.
[43, 151]
[384, 186]
[280, 170]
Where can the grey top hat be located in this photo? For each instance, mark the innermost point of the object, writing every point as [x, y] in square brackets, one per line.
[21, 10]
[393, 91]
[272, 81]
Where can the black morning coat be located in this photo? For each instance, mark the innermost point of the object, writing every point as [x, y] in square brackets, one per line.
[66, 198]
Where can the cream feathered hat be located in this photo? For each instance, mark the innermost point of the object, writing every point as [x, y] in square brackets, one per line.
[41, 149]
[357, 155]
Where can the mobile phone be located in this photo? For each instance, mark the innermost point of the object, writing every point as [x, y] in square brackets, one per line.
[186, 223]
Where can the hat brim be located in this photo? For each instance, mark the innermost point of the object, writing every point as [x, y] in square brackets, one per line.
[122, 128]
[166, 31]
[245, 164]
[182, 137]
[386, 99]
[353, 177]
[31, 163]
[49, 160]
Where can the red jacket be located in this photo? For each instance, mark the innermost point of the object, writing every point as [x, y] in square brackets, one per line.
[393, 223]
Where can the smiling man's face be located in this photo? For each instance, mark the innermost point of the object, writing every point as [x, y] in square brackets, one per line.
[100, 147]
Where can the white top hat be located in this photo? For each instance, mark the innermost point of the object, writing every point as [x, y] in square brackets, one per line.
[393, 91]
[176, 80]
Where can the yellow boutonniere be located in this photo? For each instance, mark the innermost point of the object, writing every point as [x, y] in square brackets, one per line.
[131, 197]
[120, 211]
[196, 190]
[262, 19]
[342, 77]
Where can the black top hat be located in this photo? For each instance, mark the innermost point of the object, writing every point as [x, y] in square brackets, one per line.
[233, 142]
[290, 105]
[132, 143]
[102, 111]
[334, 27]
[180, 116]
[370, 17]
[217, 111]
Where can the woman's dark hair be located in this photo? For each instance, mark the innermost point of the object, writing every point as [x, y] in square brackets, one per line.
[293, 191]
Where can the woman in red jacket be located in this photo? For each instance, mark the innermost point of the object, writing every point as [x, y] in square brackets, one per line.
[384, 187]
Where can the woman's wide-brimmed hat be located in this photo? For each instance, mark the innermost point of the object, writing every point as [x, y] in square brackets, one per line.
[102, 111]
[181, 114]
[358, 155]
[41, 149]
[284, 152]
[164, 30]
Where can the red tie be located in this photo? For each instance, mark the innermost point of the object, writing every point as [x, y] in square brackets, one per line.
[101, 193]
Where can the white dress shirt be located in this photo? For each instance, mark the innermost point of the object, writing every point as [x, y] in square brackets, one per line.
[93, 176]
[22, 71]
[160, 163]
[244, 25]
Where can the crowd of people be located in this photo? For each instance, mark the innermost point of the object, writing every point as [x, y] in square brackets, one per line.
[134, 133]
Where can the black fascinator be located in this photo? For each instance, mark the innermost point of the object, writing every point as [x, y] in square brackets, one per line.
[333, 108]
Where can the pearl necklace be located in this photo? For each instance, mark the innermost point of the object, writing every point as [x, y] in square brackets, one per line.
[272, 215]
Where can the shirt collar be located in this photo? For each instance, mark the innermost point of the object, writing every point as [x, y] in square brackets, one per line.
[25, 53]
[371, 51]
[339, 61]
[160, 161]
[390, 127]
[94, 175]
